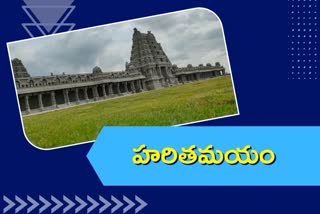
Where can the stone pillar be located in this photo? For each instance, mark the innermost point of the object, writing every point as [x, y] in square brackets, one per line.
[183, 78]
[133, 89]
[95, 93]
[53, 99]
[104, 91]
[77, 96]
[138, 85]
[26, 99]
[223, 72]
[86, 94]
[144, 85]
[125, 87]
[128, 85]
[118, 88]
[66, 97]
[110, 91]
[40, 102]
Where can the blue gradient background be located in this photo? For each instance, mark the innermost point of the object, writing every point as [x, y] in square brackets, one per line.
[256, 34]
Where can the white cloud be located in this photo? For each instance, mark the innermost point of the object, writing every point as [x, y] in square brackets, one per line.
[189, 37]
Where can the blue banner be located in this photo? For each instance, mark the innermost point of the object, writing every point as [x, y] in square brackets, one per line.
[286, 156]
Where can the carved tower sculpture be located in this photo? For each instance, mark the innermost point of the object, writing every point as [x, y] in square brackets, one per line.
[148, 57]
[18, 69]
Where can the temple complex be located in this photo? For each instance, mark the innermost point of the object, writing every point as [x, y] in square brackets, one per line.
[149, 69]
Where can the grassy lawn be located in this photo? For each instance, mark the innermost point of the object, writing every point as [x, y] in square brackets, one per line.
[169, 106]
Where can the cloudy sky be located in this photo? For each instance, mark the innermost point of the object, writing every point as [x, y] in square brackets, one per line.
[188, 37]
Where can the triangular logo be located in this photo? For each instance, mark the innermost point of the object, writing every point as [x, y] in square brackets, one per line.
[48, 16]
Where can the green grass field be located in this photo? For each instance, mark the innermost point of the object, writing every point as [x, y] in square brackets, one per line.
[169, 106]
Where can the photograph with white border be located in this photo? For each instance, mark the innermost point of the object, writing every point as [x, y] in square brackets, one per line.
[163, 70]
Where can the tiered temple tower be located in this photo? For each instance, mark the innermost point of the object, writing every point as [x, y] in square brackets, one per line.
[148, 57]
[19, 70]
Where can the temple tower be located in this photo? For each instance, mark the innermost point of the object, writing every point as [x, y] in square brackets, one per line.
[18, 69]
[148, 57]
